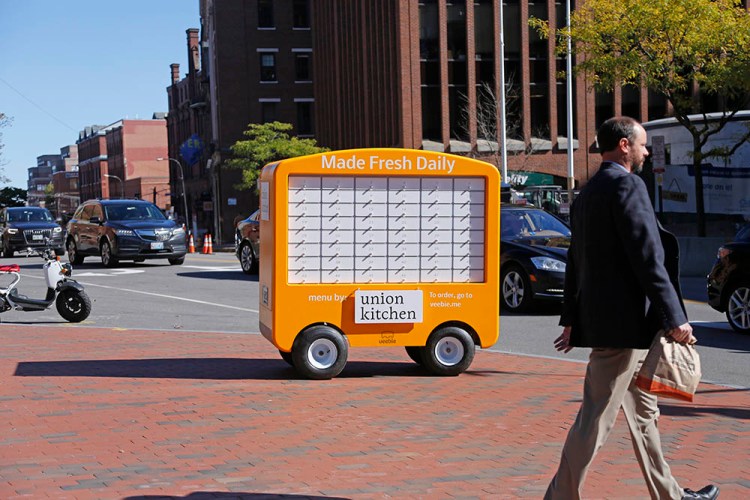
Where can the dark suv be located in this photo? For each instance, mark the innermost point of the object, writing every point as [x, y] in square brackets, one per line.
[24, 227]
[124, 230]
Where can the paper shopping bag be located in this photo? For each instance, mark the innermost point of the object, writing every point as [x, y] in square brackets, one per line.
[671, 369]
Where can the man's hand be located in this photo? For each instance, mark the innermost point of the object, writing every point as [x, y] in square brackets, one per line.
[562, 343]
[682, 334]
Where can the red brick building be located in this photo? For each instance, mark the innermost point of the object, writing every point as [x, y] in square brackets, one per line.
[65, 183]
[189, 117]
[419, 74]
[120, 161]
[251, 62]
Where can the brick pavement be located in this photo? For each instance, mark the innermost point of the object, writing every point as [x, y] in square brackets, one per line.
[113, 414]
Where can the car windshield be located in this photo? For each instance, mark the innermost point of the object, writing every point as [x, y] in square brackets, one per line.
[133, 212]
[30, 215]
[519, 223]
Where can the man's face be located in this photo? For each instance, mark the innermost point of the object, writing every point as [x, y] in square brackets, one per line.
[637, 151]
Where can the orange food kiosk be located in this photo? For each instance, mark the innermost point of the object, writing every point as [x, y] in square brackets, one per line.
[379, 247]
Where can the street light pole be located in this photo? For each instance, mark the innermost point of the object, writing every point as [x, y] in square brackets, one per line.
[122, 184]
[184, 193]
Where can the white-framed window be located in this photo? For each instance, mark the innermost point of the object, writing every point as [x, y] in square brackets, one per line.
[267, 64]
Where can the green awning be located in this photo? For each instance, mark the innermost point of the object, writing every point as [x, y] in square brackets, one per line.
[519, 178]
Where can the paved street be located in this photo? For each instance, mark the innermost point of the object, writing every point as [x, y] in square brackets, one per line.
[110, 413]
[198, 405]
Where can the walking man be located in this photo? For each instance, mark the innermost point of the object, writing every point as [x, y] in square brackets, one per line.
[621, 289]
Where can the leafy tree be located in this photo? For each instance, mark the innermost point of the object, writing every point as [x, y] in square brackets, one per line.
[12, 197]
[681, 49]
[49, 196]
[266, 143]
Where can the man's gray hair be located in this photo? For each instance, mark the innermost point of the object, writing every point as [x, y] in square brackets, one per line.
[611, 131]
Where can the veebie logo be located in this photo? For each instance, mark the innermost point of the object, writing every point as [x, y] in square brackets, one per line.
[374, 162]
[388, 306]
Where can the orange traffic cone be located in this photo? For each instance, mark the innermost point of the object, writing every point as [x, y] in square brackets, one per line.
[191, 244]
[210, 244]
[205, 243]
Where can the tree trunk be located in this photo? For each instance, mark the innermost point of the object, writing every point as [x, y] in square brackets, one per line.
[700, 210]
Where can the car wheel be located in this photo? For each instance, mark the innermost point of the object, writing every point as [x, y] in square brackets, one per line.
[415, 353]
[515, 289]
[738, 307]
[108, 258]
[287, 356]
[176, 261]
[73, 256]
[73, 305]
[247, 259]
[320, 352]
[449, 351]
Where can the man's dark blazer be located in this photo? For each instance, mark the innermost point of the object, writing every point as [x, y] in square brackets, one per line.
[618, 291]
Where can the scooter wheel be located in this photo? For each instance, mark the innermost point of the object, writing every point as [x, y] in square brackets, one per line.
[73, 305]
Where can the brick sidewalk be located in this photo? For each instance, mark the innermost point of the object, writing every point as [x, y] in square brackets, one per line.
[109, 414]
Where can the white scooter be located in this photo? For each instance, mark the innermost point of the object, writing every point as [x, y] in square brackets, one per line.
[68, 295]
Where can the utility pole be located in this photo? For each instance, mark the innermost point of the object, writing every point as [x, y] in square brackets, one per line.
[184, 193]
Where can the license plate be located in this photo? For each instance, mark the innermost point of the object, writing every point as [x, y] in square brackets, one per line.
[157, 245]
[37, 236]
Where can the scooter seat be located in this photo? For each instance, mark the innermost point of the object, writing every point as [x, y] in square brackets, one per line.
[11, 268]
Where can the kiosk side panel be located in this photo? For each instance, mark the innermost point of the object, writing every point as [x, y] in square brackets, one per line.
[267, 262]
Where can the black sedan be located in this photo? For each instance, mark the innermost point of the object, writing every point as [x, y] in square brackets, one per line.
[25, 227]
[729, 281]
[533, 254]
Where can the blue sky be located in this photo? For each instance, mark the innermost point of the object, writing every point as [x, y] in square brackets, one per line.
[69, 64]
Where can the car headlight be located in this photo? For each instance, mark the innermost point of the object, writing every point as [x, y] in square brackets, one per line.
[124, 232]
[178, 231]
[12, 230]
[57, 229]
[548, 264]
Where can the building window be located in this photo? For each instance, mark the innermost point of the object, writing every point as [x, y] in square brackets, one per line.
[265, 14]
[300, 14]
[302, 68]
[304, 118]
[267, 112]
[267, 67]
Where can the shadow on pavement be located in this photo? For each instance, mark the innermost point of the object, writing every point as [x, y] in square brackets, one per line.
[204, 369]
[237, 275]
[720, 338]
[697, 411]
[219, 495]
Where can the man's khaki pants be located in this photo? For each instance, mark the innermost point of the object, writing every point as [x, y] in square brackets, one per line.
[609, 386]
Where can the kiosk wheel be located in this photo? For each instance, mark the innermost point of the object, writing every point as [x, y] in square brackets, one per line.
[415, 353]
[320, 352]
[449, 351]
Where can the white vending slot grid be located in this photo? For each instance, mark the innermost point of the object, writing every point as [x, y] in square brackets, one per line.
[347, 229]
